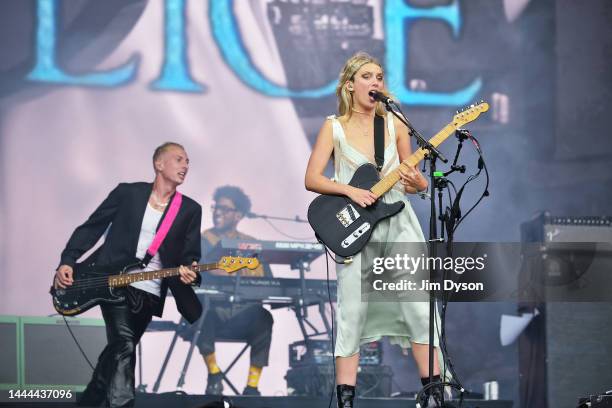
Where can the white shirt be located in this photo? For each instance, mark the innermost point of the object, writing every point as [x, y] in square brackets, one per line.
[147, 233]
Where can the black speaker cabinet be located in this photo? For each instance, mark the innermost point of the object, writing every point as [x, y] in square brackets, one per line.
[565, 352]
[317, 380]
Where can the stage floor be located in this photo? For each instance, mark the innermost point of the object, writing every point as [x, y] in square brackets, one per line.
[180, 400]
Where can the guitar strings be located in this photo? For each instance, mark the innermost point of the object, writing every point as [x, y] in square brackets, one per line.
[100, 282]
[90, 283]
[107, 277]
[105, 280]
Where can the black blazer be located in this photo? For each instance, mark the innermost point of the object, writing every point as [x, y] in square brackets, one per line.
[121, 214]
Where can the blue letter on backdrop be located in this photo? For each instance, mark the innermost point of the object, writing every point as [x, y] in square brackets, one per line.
[227, 37]
[175, 72]
[398, 13]
[46, 69]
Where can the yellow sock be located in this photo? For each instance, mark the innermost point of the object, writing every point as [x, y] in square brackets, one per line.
[211, 364]
[254, 376]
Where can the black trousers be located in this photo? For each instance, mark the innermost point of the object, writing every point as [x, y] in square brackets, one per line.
[113, 378]
[251, 323]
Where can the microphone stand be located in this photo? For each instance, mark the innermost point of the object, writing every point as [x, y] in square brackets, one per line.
[432, 155]
[421, 141]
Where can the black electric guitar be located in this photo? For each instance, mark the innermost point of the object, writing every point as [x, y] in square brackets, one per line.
[95, 284]
[344, 226]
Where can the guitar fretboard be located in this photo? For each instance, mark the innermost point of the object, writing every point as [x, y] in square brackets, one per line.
[126, 279]
[389, 181]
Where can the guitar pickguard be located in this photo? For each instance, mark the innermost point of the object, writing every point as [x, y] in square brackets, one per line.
[347, 215]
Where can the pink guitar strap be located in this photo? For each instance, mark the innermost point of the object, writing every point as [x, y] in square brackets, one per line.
[167, 222]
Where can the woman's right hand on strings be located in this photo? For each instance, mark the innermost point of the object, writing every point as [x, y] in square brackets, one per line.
[63, 277]
[361, 196]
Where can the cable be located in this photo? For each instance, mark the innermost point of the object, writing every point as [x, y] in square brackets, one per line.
[481, 165]
[443, 345]
[373, 387]
[287, 235]
[453, 185]
[398, 386]
[441, 331]
[451, 213]
[77, 343]
[327, 252]
[431, 385]
[331, 308]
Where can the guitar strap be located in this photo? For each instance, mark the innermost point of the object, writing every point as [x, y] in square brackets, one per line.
[161, 233]
[379, 141]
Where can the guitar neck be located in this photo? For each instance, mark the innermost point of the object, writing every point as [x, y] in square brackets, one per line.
[126, 279]
[389, 181]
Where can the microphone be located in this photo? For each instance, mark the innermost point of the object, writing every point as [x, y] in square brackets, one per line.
[379, 96]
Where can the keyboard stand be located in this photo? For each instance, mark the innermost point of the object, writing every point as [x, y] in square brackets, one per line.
[301, 308]
[194, 340]
[182, 324]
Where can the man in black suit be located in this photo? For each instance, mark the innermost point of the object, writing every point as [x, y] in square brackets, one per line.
[131, 215]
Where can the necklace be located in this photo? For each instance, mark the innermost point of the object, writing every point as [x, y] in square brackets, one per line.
[156, 202]
[361, 112]
[365, 131]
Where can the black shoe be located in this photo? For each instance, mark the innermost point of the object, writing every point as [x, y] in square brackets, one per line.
[214, 384]
[91, 397]
[248, 390]
[345, 395]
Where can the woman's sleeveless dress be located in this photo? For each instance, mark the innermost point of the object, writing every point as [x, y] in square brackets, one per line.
[358, 320]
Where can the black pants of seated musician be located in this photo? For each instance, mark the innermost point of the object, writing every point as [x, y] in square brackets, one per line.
[251, 323]
[113, 377]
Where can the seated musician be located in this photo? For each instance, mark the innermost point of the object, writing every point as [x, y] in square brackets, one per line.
[246, 321]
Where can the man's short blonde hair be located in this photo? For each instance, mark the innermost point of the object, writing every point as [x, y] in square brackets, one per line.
[163, 148]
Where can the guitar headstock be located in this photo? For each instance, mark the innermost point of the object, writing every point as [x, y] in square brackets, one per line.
[231, 264]
[469, 114]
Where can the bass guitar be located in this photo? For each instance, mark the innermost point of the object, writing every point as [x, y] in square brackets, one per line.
[95, 284]
[344, 226]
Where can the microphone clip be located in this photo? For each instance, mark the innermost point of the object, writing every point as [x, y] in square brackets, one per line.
[463, 134]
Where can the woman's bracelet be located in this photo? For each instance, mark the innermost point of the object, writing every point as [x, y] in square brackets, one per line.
[423, 193]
